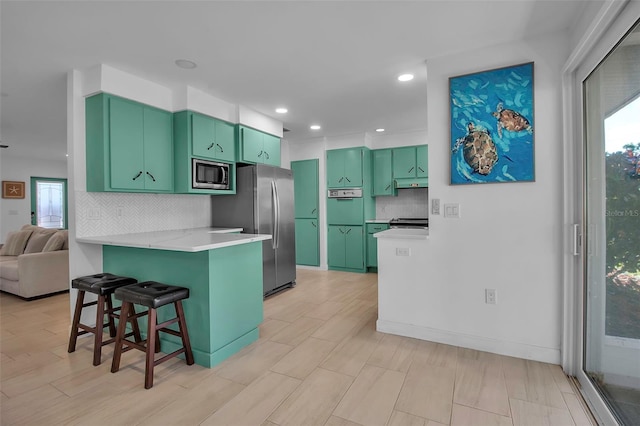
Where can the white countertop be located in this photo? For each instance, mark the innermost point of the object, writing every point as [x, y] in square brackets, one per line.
[191, 240]
[403, 233]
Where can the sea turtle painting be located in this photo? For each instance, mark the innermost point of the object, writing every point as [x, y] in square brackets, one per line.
[478, 149]
[510, 120]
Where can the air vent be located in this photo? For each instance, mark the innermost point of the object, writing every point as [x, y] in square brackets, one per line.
[4, 146]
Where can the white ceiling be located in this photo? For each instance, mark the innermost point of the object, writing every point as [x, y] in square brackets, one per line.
[331, 63]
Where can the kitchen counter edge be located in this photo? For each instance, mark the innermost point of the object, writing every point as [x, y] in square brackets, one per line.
[188, 240]
[403, 233]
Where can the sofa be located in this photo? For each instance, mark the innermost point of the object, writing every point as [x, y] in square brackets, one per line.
[34, 262]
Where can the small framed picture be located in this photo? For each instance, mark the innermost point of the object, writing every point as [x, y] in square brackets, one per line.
[12, 189]
[492, 126]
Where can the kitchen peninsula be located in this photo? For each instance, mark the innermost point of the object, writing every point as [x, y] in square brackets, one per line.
[222, 269]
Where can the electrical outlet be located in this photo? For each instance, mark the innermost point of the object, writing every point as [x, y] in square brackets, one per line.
[490, 296]
[95, 214]
[435, 206]
[403, 252]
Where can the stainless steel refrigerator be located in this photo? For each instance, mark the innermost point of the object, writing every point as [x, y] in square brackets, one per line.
[263, 204]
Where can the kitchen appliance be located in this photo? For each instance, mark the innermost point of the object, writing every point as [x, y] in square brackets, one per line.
[345, 193]
[263, 204]
[409, 223]
[209, 174]
[414, 182]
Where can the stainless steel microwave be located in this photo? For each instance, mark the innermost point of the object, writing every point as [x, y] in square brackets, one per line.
[209, 174]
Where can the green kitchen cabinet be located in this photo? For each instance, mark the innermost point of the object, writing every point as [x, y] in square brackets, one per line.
[372, 243]
[129, 146]
[305, 188]
[193, 134]
[410, 161]
[345, 167]
[307, 242]
[212, 138]
[256, 147]
[345, 211]
[383, 172]
[345, 246]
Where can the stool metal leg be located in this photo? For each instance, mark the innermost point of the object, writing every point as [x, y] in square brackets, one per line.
[184, 335]
[152, 344]
[73, 338]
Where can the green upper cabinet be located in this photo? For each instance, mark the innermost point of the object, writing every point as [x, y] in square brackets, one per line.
[422, 161]
[383, 172]
[212, 139]
[344, 168]
[257, 147]
[129, 146]
[305, 188]
[201, 136]
[410, 161]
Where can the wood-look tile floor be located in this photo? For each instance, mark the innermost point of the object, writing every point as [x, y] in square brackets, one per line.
[319, 361]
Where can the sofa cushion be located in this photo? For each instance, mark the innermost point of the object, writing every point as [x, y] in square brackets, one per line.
[8, 258]
[65, 234]
[38, 240]
[56, 242]
[9, 270]
[16, 242]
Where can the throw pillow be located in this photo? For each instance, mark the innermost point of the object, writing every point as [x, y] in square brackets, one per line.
[16, 241]
[55, 242]
[37, 242]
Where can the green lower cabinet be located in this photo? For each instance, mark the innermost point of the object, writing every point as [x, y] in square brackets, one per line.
[372, 242]
[345, 246]
[307, 242]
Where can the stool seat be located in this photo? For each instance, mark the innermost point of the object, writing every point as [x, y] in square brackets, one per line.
[101, 284]
[152, 294]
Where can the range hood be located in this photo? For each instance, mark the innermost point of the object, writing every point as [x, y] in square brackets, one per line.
[412, 183]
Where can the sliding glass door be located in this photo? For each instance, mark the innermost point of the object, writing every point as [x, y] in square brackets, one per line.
[611, 227]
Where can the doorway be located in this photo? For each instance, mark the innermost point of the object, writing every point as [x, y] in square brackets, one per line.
[49, 202]
[611, 229]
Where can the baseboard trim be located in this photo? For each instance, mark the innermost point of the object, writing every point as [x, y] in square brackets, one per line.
[514, 349]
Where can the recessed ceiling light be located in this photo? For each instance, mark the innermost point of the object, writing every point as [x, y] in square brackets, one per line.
[186, 64]
[380, 130]
[314, 127]
[405, 77]
[282, 110]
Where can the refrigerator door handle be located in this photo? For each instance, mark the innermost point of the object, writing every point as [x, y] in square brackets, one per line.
[276, 215]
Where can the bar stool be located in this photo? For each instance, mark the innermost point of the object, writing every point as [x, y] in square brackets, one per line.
[153, 295]
[104, 286]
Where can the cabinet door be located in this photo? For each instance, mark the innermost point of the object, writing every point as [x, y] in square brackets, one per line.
[422, 161]
[372, 242]
[271, 147]
[336, 246]
[404, 162]
[345, 211]
[382, 172]
[353, 168]
[225, 143]
[335, 169]
[307, 242]
[305, 188]
[203, 135]
[354, 247]
[126, 145]
[251, 145]
[158, 150]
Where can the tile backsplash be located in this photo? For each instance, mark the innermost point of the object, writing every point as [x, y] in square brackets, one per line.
[412, 202]
[100, 213]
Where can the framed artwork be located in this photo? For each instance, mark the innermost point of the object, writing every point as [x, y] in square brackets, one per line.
[12, 189]
[492, 126]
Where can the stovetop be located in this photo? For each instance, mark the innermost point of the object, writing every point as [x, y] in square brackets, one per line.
[409, 222]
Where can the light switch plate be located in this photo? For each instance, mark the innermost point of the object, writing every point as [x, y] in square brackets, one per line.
[452, 210]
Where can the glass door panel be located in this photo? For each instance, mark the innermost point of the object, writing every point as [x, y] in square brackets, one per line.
[612, 214]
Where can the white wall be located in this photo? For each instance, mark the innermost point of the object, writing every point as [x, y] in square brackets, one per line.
[508, 237]
[17, 212]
